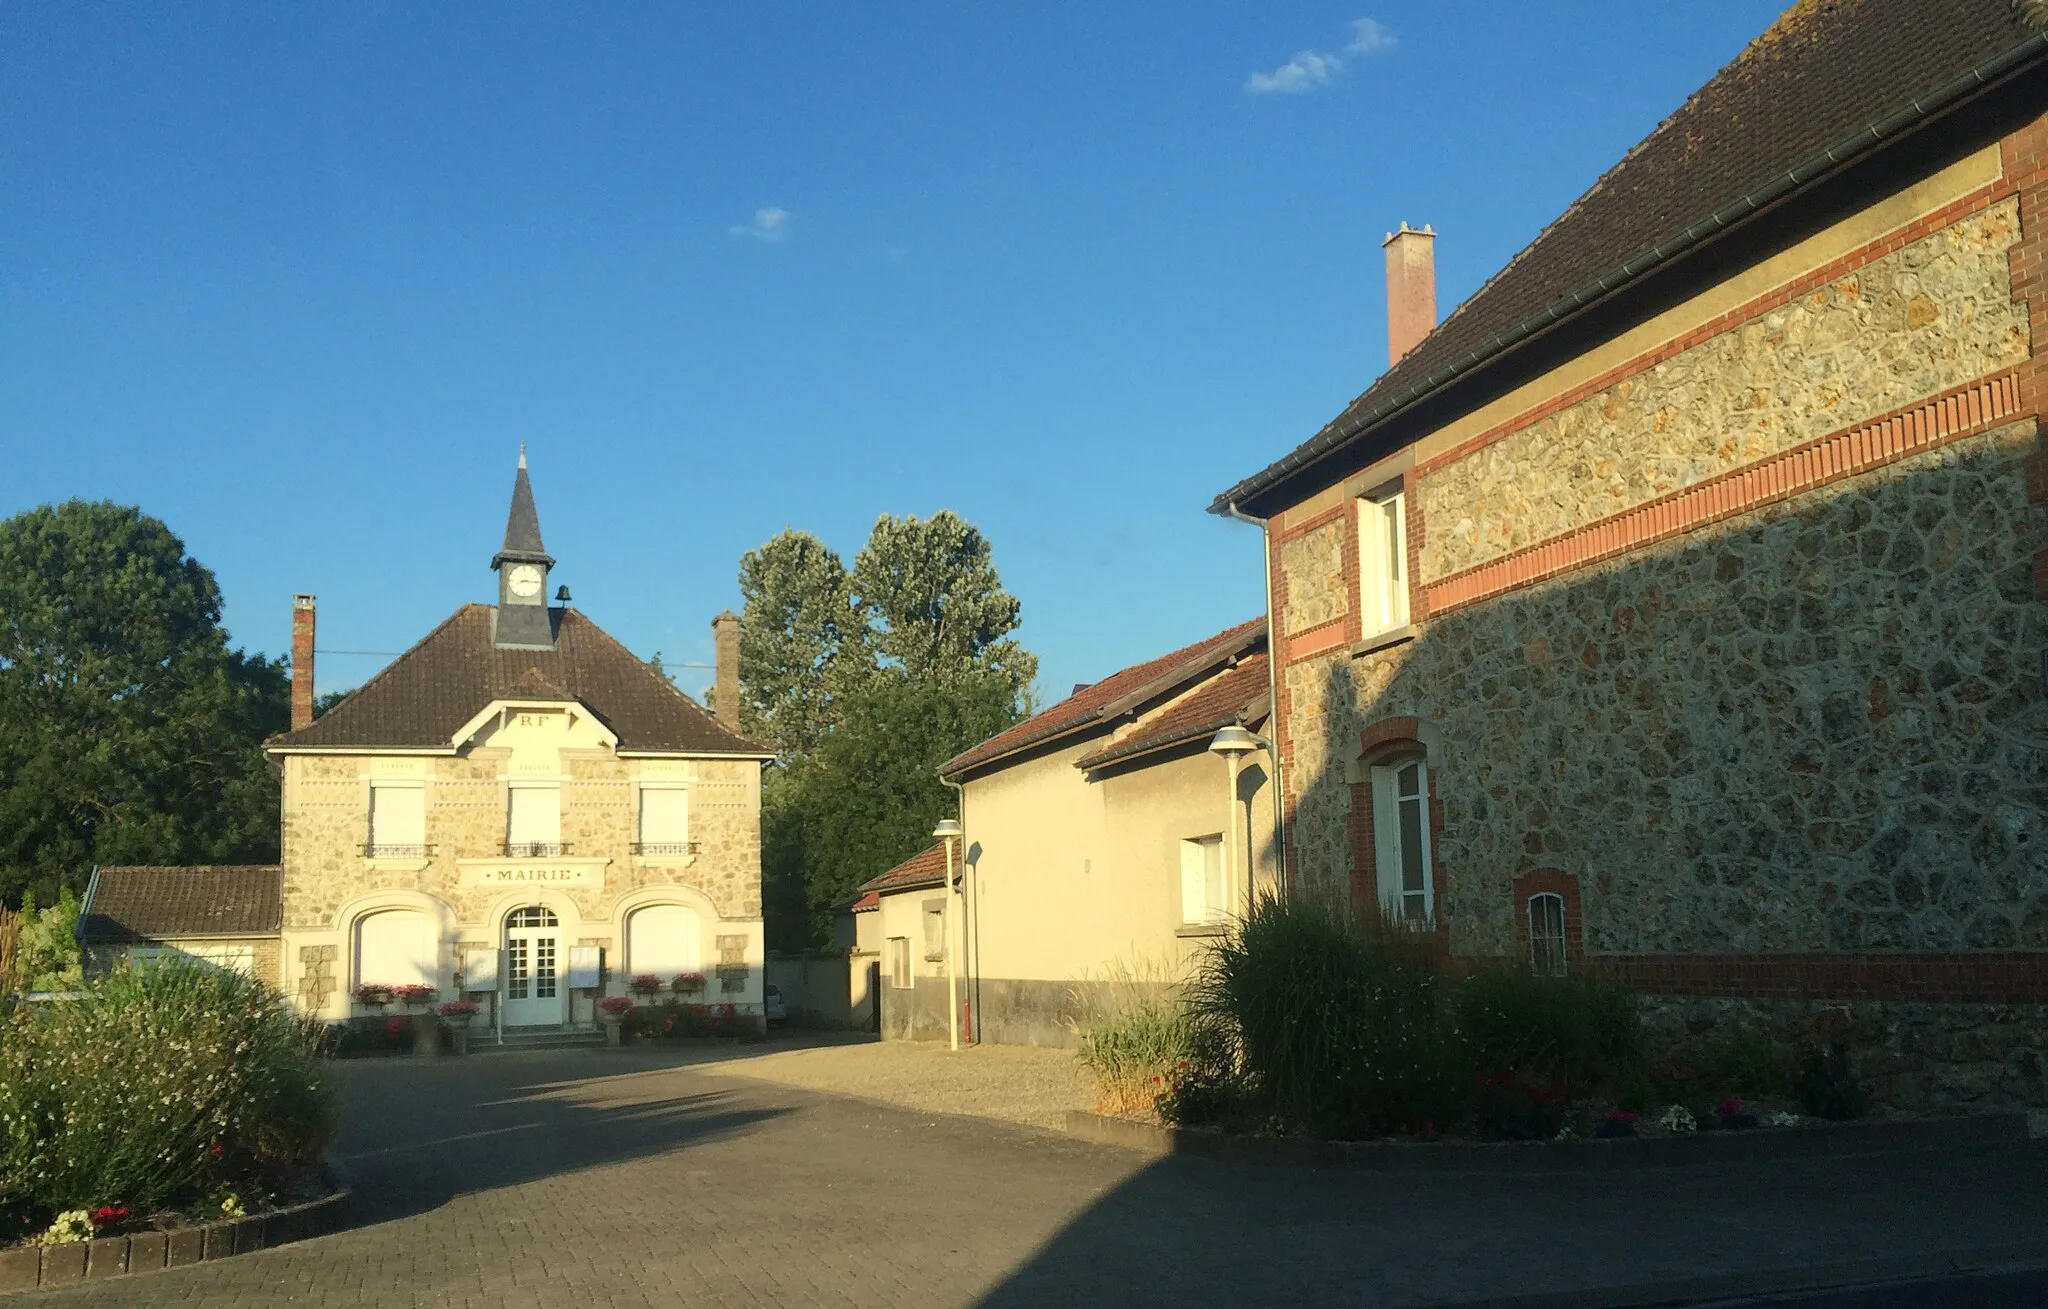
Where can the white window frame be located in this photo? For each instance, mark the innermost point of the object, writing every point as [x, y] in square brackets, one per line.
[1204, 884]
[932, 914]
[1389, 848]
[1547, 952]
[512, 837]
[376, 845]
[900, 976]
[668, 843]
[1382, 561]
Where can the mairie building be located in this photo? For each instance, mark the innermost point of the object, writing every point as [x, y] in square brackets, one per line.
[517, 810]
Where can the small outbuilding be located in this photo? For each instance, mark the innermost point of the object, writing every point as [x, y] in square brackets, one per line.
[228, 915]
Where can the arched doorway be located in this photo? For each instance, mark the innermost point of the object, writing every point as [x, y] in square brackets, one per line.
[534, 993]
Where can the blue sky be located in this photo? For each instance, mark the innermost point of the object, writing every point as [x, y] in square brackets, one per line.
[298, 279]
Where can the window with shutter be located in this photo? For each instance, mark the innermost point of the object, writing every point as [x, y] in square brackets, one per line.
[1400, 822]
[398, 821]
[664, 820]
[533, 822]
[1202, 893]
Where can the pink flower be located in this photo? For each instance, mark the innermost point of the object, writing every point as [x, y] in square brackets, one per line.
[217, 1149]
[1728, 1108]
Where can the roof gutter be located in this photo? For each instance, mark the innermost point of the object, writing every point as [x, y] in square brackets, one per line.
[1850, 147]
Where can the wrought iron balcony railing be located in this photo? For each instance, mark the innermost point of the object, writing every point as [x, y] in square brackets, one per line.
[386, 850]
[535, 849]
[664, 847]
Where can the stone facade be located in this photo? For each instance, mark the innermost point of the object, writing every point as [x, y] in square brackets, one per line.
[1737, 647]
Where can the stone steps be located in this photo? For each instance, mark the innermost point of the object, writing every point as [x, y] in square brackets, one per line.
[486, 1042]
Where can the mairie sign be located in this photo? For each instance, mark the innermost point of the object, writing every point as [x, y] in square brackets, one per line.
[532, 872]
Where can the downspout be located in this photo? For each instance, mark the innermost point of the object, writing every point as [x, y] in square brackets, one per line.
[970, 922]
[1272, 698]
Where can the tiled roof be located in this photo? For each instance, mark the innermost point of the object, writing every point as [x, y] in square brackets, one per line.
[1823, 74]
[1093, 704]
[1239, 695]
[431, 690]
[925, 868]
[864, 903]
[153, 904]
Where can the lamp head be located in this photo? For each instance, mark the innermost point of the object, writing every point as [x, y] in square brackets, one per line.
[949, 829]
[1233, 740]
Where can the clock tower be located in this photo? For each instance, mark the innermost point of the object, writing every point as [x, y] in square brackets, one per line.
[524, 620]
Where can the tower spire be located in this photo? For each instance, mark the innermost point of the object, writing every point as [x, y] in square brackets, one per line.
[522, 524]
[522, 563]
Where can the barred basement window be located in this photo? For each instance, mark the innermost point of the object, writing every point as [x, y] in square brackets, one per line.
[1546, 934]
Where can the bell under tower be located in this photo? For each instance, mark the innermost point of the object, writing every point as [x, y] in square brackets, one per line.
[522, 565]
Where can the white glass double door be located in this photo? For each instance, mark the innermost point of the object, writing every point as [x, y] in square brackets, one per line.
[534, 990]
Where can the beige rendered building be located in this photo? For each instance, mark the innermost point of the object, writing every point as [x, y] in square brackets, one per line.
[1102, 845]
[520, 811]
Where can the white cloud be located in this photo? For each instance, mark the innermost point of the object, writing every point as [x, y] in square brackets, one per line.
[769, 224]
[1314, 68]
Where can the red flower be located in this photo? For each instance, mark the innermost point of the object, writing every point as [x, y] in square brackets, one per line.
[107, 1215]
[218, 1150]
[396, 1026]
[1729, 1108]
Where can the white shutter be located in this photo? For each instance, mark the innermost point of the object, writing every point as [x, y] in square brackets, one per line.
[395, 948]
[1217, 891]
[398, 815]
[664, 815]
[662, 939]
[536, 815]
[1194, 881]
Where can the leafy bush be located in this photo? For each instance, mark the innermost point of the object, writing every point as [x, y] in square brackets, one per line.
[160, 1086]
[1828, 1086]
[1511, 1107]
[1745, 1059]
[1133, 1051]
[1335, 1027]
[1582, 1032]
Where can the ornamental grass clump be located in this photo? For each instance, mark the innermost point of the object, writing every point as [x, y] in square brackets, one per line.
[160, 1087]
[1338, 1027]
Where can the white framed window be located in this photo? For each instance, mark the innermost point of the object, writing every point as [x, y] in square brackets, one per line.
[934, 917]
[1204, 898]
[230, 958]
[664, 820]
[1400, 830]
[663, 939]
[398, 821]
[533, 821]
[1383, 561]
[1546, 934]
[395, 948]
[899, 962]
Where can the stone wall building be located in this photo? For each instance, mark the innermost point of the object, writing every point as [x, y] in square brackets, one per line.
[1678, 606]
[509, 798]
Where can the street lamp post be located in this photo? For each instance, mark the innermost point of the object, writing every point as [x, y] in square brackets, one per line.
[1234, 743]
[948, 831]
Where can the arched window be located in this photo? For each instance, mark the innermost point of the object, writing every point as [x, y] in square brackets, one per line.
[1400, 829]
[395, 947]
[1546, 934]
[662, 939]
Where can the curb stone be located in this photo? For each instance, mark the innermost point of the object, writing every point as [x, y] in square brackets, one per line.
[1828, 1140]
[28, 1267]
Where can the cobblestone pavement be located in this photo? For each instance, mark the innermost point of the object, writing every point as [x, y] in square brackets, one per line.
[629, 1178]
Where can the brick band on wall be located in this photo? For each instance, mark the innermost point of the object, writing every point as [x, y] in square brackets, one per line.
[1988, 978]
[1962, 412]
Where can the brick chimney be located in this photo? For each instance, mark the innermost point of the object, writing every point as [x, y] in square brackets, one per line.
[302, 661]
[1411, 289]
[725, 640]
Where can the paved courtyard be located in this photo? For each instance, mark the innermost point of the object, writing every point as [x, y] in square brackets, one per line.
[640, 1177]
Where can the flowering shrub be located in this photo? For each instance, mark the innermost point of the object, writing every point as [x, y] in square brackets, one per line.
[1784, 1118]
[154, 1089]
[459, 1009]
[71, 1225]
[615, 1006]
[1515, 1108]
[687, 983]
[109, 1216]
[1677, 1119]
[1619, 1123]
[644, 984]
[373, 995]
[414, 994]
[1731, 1114]
[397, 1028]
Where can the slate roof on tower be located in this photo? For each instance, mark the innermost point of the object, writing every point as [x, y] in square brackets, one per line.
[426, 695]
[522, 525]
[1828, 80]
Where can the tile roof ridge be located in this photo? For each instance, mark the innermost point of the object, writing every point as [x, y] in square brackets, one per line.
[284, 738]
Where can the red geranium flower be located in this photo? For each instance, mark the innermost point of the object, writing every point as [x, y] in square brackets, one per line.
[217, 1149]
[107, 1215]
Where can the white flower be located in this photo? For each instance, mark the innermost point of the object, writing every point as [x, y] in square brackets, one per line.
[1677, 1119]
[1784, 1119]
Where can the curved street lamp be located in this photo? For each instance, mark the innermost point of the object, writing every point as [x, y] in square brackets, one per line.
[1234, 743]
[948, 831]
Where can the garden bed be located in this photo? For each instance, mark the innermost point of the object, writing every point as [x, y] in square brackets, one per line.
[1814, 1139]
[30, 1267]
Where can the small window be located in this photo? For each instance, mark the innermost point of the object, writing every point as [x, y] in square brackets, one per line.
[398, 821]
[1546, 934]
[1400, 825]
[1203, 896]
[230, 958]
[899, 962]
[664, 820]
[533, 822]
[1383, 562]
[934, 931]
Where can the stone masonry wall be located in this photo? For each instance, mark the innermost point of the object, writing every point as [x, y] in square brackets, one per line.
[1817, 728]
[1931, 315]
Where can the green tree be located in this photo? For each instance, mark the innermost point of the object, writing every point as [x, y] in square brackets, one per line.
[129, 731]
[931, 604]
[793, 628]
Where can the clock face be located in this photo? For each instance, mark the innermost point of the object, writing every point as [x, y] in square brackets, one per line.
[526, 581]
